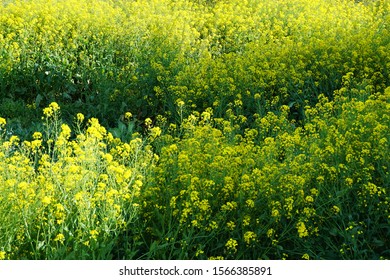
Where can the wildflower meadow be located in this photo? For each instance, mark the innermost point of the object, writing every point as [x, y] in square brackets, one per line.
[194, 129]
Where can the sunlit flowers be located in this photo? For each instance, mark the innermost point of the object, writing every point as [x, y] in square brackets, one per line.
[3, 122]
[258, 129]
[51, 109]
[249, 237]
[59, 238]
[302, 231]
[231, 245]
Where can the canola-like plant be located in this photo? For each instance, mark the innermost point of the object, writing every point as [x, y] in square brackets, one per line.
[194, 129]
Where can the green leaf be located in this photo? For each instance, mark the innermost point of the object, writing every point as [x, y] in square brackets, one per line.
[38, 100]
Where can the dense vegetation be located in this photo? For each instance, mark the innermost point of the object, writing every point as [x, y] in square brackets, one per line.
[194, 129]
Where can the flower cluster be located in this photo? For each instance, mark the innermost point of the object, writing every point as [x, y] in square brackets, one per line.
[69, 194]
[296, 184]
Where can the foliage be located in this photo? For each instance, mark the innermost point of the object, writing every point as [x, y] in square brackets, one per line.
[252, 56]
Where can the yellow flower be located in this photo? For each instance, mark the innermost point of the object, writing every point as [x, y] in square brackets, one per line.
[155, 132]
[199, 252]
[60, 238]
[349, 182]
[14, 139]
[94, 233]
[270, 232]
[335, 209]
[275, 213]
[320, 179]
[78, 196]
[46, 200]
[306, 256]
[128, 116]
[65, 131]
[246, 221]
[35, 144]
[231, 225]
[148, 122]
[204, 205]
[48, 112]
[250, 203]
[3, 122]
[249, 236]
[2, 255]
[212, 226]
[54, 106]
[314, 191]
[80, 117]
[231, 245]
[229, 206]
[194, 223]
[372, 188]
[302, 231]
[309, 199]
[138, 183]
[37, 136]
[206, 116]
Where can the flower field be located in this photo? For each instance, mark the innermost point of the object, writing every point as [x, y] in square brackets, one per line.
[194, 129]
